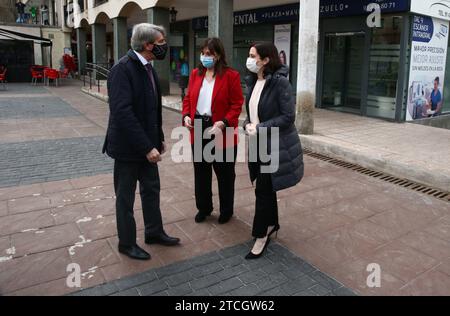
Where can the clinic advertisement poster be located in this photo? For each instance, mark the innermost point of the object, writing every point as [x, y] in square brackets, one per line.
[283, 42]
[427, 69]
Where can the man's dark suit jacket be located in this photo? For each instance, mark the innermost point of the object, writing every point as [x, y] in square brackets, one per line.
[135, 122]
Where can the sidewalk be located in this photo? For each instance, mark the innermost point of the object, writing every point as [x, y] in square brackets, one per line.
[415, 152]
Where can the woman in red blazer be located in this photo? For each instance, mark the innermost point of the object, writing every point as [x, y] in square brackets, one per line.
[211, 108]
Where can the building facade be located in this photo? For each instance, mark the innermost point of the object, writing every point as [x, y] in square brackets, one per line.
[387, 71]
[41, 20]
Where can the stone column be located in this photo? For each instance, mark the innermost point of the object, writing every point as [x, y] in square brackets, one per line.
[307, 64]
[81, 49]
[161, 16]
[220, 24]
[99, 49]
[99, 43]
[51, 13]
[120, 35]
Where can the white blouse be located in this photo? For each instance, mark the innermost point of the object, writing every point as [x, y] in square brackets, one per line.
[254, 101]
[205, 98]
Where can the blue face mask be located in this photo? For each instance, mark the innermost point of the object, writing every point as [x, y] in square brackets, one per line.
[207, 61]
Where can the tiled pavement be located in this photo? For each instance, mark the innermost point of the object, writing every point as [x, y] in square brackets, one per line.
[337, 220]
[52, 160]
[227, 273]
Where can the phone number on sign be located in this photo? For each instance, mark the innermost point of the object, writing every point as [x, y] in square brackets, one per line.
[385, 6]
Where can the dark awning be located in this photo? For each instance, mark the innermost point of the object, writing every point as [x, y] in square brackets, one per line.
[12, 35]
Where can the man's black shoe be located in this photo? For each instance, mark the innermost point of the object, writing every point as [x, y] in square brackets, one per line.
[201, 217]
[162, 239]
[135, 252]
[225, 218]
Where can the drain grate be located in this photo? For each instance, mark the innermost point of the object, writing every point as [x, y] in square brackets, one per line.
[436, 193]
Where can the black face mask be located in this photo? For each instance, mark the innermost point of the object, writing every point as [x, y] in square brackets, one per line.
[160, 51]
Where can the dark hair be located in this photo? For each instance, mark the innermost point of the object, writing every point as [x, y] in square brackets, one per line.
[215, 46]
[268, 50]
[437, 79]
[283, 54]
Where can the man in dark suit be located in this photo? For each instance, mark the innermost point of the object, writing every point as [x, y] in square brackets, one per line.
[135, 138]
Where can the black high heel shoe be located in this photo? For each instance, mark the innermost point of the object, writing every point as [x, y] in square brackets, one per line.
[252, 256]
[274, 231]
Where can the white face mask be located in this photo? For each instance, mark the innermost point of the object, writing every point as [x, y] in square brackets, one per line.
[252, 65]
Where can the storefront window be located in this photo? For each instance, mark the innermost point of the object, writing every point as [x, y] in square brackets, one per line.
[179, 59]
[384, 68]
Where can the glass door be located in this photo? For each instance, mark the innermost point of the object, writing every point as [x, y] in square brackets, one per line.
[343, 71]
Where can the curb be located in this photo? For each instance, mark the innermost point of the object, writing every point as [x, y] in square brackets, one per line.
[94, 94]
[389, 165]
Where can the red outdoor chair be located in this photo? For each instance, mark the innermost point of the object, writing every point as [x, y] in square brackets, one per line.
[65, 73]
[51, 74]
[3, 77]
[36, 74]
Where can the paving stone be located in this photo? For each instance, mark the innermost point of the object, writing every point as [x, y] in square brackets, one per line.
[129, 292]
[203, 292]
[232, 261]
[205, 259]
[179, 278]
[47, 107]
[276, 291]
[204, 282]
[225, 286]
[298, 285]
[231, 272]
[173, 269]
[325, 280]
[102, 290]
[320, 290]
[206, 270]
[234, 251]
[135, 280]
[248, 290]
[52, 160]
[306, 293]
[272, 281]
[343, 291]
[252, 276]
[152, 287]
[180, 290]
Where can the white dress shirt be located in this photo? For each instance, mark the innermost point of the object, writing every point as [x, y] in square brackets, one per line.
[254, 101]
[142, 59]
[204, 103]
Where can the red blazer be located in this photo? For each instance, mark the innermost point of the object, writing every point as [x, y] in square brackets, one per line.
[227, 101]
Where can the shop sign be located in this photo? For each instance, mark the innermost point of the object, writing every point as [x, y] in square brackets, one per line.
[290, 12]
[284, 13]
[336, 8]
[427, 67]
[438, 9]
